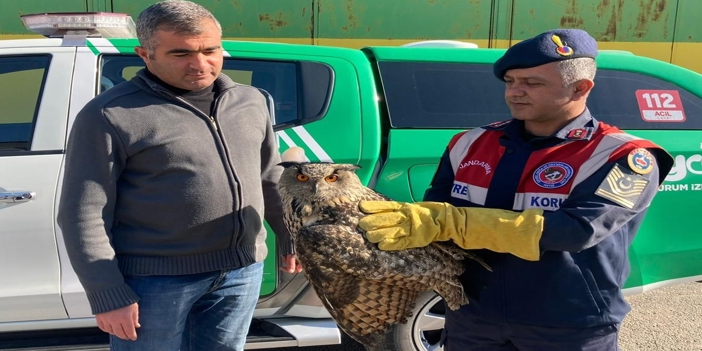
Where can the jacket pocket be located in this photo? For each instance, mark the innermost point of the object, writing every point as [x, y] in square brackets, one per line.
[593, 287]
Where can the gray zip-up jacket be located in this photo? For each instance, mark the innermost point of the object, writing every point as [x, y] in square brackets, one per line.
[154, 186]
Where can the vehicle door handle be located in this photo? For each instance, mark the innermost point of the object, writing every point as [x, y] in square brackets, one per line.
[17, 196]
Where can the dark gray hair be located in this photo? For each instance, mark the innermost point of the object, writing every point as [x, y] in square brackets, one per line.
[577, 69]
[181, 16]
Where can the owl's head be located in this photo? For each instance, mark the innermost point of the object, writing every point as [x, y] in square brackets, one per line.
[318, 181]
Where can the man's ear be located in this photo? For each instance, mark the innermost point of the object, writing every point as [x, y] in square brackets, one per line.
[582, 88]
[143, 53]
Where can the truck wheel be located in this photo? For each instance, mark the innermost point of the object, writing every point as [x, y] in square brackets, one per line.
[422, 332]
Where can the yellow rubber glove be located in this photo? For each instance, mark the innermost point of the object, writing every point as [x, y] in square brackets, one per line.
[398, 225]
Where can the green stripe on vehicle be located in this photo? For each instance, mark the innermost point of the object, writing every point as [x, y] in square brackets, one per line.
[93, 48]
[289, 139]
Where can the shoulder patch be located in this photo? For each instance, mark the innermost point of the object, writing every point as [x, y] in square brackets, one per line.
[622, 186]
[641, 161]
[497, 125]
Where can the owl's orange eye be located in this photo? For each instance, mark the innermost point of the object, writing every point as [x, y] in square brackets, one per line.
[331, 178]
[302, 178]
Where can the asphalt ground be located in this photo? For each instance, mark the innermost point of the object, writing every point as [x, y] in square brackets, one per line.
[668, 319]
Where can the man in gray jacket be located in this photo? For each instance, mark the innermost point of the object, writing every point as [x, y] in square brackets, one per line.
[167, 177]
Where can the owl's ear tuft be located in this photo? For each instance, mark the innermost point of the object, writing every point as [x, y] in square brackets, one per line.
[347, 167]
[294, 154]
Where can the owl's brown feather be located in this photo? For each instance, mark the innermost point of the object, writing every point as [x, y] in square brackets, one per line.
[366, 290]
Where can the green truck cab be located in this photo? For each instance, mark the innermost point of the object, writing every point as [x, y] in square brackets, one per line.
[391, 110]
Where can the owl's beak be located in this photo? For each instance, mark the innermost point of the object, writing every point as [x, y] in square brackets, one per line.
[318, 186]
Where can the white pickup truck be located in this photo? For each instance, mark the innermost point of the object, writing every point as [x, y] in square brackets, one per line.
[43, 84]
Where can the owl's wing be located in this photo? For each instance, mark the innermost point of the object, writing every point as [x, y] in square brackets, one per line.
[338, 288]
[344, 250]
[335, 247]
[447, 248]
[363, 295]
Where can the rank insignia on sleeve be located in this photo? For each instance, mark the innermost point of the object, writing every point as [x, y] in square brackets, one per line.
[641, 161]
[622, 187]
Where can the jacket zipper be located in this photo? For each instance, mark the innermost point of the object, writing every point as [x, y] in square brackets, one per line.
[212, 120]
[240, 190]
[240, 225]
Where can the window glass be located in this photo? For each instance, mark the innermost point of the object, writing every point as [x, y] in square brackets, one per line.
[442, 95]
[620, 97]
[294, 99]
[21, 82]
[457, 95]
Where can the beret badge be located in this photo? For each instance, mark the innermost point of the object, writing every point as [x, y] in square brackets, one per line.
[562, 47]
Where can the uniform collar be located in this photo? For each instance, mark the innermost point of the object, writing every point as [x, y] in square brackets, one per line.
[580, 128]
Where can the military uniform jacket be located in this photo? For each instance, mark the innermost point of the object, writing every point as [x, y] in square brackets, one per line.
[594, 183]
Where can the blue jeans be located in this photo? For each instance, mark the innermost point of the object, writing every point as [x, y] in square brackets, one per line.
[198, 312]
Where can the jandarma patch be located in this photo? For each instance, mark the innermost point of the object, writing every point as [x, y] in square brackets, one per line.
[622, 187]
[553, 175]
[641, 161]
[562, 47]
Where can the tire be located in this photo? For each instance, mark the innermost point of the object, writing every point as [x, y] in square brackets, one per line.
[422, 332]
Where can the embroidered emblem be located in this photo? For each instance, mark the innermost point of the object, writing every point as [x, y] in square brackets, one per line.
[562, 47]
[580, 134]
[553, 175]
[622, 187]
[641, 161]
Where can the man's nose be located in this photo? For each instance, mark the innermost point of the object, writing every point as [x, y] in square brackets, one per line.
[514, 90]
[199, 62]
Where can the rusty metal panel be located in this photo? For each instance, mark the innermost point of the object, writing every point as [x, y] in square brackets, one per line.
[10, 22]
[501, 23]
[248, 18]
[644, 27]
[606, 20]
[687, 45]
[404, 19]
[688, 28]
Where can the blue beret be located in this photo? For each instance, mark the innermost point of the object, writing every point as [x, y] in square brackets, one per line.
[551, 46]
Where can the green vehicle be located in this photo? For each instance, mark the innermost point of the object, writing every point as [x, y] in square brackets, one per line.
[389, 109]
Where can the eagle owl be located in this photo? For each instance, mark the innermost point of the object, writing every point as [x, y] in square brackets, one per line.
[366, 290]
